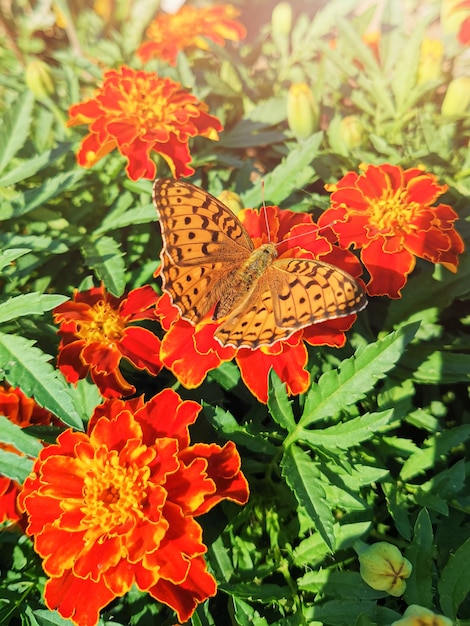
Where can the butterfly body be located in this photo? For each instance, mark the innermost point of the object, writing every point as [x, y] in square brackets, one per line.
[209, 262]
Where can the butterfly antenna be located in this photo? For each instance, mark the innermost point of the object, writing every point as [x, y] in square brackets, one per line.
[315, 230]
[263, 204]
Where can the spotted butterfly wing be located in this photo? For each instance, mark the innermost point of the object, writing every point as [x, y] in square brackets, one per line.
[209, 260]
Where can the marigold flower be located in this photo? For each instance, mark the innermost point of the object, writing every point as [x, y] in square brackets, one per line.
[189, 28]
[455, 18]
[115, 507]
[96, 333]
[190, 352]
[387, 212]
[416, 615]
[23, 412]
[138, 112]
[384, 568]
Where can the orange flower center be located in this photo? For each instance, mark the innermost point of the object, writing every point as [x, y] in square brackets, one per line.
[393, 212]
[148, 104]
[106, 326]
[113, 494]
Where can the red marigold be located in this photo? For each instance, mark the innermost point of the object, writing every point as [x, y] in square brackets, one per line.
[138, 112]
[387, 212]
[115, 507]
[23, 412]
[189, 28]
[96, 333]
[190, 352]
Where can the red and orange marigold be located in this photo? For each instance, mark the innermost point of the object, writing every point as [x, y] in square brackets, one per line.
[115, 507]
[189, 28]
[190, 352]
[137, 113]
[97, 331]
[23, 412]
[389, 214]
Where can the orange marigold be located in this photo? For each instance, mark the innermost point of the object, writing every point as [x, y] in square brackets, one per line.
[97, 331]
[387, 212]
[189, 28]
[115, 507]
[138, 112]
[23, 412]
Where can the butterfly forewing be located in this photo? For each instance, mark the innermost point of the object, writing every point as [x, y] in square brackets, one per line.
[208, 258]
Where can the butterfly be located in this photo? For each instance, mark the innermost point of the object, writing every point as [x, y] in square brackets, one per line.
[208, 261]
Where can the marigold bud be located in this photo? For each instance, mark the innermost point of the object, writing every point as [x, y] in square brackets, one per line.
[302, 110]
[281, 19]
[384, 568]
[38, 78]
[232, 200]
[430, 60]
[352, 131]
[416, 615]
[457, 98]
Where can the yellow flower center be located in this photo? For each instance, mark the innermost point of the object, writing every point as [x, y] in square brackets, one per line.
[393, 213]
[113, 495]
[149, 105]
[106, 326]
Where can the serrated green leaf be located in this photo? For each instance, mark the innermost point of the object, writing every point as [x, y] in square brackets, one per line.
[293, 173]
[33, 165]
[33, 198]
[13, 435]
[14, 128]
[397, 506]
[420, 554]
[7, 257]
[302, 476]
[454, 583]
[339, 612]
[347, 434]
[29, 304]
[246, 615]
[142, 215]
[279, 405]
[435, 448]
[106, 258]
[355, 377]
[26, 367]
[50, 618]
[14, 466]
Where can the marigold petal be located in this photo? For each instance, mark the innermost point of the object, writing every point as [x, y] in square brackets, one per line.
[8, 494]
[139, 304]
[112, 384]
[70, 363]
[388, 271]
[142, 348]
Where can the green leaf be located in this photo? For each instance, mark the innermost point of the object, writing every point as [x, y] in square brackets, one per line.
[142, 215]
[435, 448]
[302, 476]
[293, 173]
[15, 436]
[349, 433]
[14, 128]
[33, 165]
[29, 304]
[38, 196]
[356, 376]
[105, 257]
[7, 257]
[279, 405]
[420, 554]
[454, 583]
[246, 615]
[26, 367]
[15, 466]
[50, 618]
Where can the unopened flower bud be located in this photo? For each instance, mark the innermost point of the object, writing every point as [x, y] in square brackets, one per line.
[384, 568]
[430, 60]
[302, 110]
[352, 131]
[457, 98]
[38, 78]
[416, 615]
[232, 200]
[281, 19]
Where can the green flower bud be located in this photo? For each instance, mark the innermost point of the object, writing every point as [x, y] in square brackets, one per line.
[416, 615]
[38, 78]
[384, 568]
[302, 110]
[352, 131]
[232, 200]
[430, 60]
[281, 19]
[457, 98]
